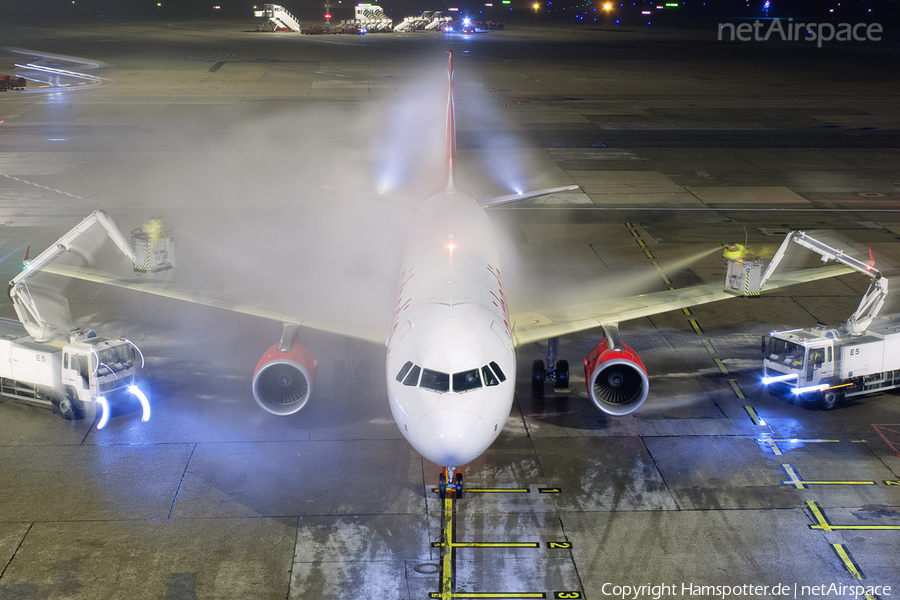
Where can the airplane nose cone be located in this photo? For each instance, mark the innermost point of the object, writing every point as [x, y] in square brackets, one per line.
[452, 437]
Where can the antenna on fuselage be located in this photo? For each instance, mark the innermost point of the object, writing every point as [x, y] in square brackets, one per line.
[451, 128]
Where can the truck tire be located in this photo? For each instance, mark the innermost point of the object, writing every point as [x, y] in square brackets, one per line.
[65, 407]
[829, 399]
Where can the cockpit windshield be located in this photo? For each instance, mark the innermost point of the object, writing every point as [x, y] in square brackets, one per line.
[435, 380]
[438, 381]
[465, 381]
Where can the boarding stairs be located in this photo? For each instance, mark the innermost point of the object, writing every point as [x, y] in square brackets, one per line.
[278, 18]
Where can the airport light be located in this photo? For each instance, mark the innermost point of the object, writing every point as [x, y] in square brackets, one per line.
[607, 7]
[535, 6]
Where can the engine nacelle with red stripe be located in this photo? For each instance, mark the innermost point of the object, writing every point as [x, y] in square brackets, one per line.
[616, 380]
[283, 381]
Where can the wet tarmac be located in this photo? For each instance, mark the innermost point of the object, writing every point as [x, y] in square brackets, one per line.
[263, 152]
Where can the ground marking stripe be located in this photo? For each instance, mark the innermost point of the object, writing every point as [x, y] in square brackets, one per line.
[696, 326]
[511, 595]
[773, 443]
[736, 388]
[446, 592]
[721, 366]
[848, 562]
[824, 525]
[797, 482]
[893, 428]
[750, 411]
[490, 544]
[497, 490]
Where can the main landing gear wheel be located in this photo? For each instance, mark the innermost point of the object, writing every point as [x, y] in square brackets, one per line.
[562, 374]
[458, 486]
[537, 376]
[442, 486]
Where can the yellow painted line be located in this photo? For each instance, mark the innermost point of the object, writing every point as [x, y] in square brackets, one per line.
[807, 440]
[892, 482]
[824, 525]
[709, 347]
[495, 544]
[845, 558]
[829, 482]
[686, 311]
[721, 366]
[858, 441]
[775, 449]
[696, 326]
[773, 443]
[634, 233]
[648, 254]
[750, 411]
[794, 479]
[740, 394]
[511, 595]
[497, 490]
[447, 551]
[659, 270]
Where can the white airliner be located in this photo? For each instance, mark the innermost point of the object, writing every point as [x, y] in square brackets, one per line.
[451, 348]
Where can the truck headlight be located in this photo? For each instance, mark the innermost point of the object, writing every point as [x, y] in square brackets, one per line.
[145, 404]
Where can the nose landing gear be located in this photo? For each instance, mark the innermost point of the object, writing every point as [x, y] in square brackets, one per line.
[450, 480]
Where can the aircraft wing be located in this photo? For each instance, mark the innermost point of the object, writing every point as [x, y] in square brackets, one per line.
[537, 326]
[208, 297]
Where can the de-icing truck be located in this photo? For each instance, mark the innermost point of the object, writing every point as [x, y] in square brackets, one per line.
[820, 364]
[76, 373]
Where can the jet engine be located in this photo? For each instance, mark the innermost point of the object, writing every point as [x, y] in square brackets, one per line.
[616, 379]
[283, 381]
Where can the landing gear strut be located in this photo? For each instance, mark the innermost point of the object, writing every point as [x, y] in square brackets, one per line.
[559, 375]
[448, 480]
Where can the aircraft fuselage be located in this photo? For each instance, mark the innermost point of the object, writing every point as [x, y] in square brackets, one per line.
[451, 362]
